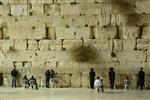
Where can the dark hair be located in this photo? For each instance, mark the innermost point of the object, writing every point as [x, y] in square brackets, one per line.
[141, 68]
[97, 77]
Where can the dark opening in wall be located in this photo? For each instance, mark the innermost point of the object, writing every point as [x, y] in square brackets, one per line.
[92, 35]
[1, 79]
[46, 32]
[141, 31]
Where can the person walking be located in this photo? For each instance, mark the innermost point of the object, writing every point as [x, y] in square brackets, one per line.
[47, 77]
[111, 77]
[141, 78]
[14, 77]
[92, 78]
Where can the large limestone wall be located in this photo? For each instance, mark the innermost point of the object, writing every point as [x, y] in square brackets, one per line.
[38, 34]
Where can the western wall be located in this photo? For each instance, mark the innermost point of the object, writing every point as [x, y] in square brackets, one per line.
[40, 34]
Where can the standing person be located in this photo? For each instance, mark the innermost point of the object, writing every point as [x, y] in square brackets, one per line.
[14, 76]
[141, 76]
[111, 77]
[47, 76]
[92, 78]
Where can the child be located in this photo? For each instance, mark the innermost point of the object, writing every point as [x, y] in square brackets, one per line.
[98, 85]
[126, 83]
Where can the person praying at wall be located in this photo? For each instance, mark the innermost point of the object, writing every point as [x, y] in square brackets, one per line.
[111, 77]
[141, 78]
[14, 74]
[47, 77]
[92, 78]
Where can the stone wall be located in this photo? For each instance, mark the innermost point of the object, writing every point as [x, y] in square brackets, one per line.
[39, 34]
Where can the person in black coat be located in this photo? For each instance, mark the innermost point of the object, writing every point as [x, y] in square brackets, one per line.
[92, 78]
[33, 83]
[14, 76]
[25, 82]
[47, 76]
[111, 77]
[141, 78]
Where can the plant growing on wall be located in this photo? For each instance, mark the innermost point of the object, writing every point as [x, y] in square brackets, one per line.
[84, 53]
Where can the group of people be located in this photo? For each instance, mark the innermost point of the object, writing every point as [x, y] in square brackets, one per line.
[98, 82]
[49, 75]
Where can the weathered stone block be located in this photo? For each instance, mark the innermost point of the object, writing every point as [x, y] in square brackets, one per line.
[76, 80]
[7, 66]
[45, 55]
[27, 68]
[64, 1]
[142, 6]
[118, 44]
[33, 45]
[66, 67]
[92, 20]
[132, 56]
[24, 31]
[131, 32]
[103, 19]
[129, 44]
[20, 44]
[67, 9]
[14, 55]
[17, 2]
[37, 9]
[69, 44]
[104, 55]
[7, 44]
[102, 44]
[19, 65]
[52, 9]
[72, 33]
[63, 56]
[90, 8]
[55, 45]
[19, 10]
[62, 21]
[143, 44]
[4, 10]
[44, 44]
[48, 1]
[105, 32]
[145, 34]
[36, 1]
[79, 21]
[51, 33]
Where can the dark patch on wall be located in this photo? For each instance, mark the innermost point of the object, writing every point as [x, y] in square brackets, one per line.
[84, 53]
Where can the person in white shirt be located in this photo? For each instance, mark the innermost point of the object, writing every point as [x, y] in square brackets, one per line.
[98, 84]
[126, 83]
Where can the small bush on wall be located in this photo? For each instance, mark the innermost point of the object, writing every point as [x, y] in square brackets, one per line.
[84, 53]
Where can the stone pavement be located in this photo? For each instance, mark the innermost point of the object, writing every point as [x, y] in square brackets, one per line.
[71, 94]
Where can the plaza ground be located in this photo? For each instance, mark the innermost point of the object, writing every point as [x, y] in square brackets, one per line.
[71, 94]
